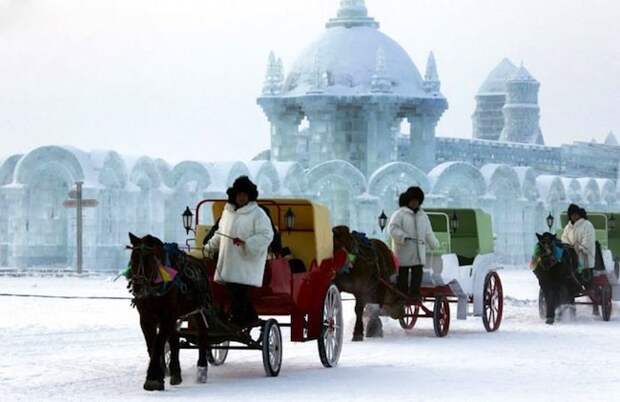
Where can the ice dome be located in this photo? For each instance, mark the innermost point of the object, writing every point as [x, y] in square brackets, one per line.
[346, 57]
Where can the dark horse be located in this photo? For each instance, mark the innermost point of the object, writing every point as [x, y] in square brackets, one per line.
[554, 264]
[372, 260]
[161, 304]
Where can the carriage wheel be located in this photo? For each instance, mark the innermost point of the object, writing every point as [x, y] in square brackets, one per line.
[542, 305]
[217, 357]
[408, 321]
[607, 302]
[272, 348]
[493, 302]
[441, 316]
[330, 341]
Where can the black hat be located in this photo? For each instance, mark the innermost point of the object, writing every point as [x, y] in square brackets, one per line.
[242, 184]
[573, 209]
[412, 193]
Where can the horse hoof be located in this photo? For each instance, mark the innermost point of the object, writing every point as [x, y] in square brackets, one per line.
[153, 385]
[201, 375]
[358, 338]
[549, 321]
[175, 380]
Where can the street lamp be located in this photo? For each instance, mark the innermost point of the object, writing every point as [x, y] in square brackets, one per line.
[383, 221]
[188, 218]
[289, 217]
[454, 222]
[550, 221]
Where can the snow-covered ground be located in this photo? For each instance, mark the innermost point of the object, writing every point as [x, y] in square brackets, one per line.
[93, 350]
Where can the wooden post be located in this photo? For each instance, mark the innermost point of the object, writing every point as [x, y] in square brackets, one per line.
[79, 226]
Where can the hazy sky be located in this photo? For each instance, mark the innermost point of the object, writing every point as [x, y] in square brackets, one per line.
[179, 78]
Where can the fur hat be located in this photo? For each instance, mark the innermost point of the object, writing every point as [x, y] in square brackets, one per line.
[412, 193]
[242, 184]
[573, 209]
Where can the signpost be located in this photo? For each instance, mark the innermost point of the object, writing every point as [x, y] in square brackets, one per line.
[78, 202]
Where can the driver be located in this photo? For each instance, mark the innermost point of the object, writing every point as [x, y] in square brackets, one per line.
[411, 230]
[243, 237]
[579, 233]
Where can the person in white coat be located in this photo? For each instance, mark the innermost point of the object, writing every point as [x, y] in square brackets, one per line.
[580, 234]
[411, 231]
[243, 237]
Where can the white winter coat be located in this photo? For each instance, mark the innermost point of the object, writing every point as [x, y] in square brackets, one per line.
[411, 232]
[582, 237]
[243, 264]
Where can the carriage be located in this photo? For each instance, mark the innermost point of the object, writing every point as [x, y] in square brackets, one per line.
[597, 292]
[461, 271]
[299, 287]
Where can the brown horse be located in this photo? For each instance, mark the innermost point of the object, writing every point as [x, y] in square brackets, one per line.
[372, 260]
[161, 304]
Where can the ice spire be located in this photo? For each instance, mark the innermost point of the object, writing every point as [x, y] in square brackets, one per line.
[352, 13]
[611, 139]
[274, 76]
[431, 78]
[380, 83]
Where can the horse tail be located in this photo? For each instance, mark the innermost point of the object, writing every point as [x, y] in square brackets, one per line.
[385, 258]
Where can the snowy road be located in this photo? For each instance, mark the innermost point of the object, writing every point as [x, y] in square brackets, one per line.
[93, 350]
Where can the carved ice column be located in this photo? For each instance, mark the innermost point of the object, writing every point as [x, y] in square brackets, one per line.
[381, 145]
[422, 137]
[368, 211]
[323, 143]
[18, 226]
[284, 130]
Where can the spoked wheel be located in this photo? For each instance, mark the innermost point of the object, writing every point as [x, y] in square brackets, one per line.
[217, 357]
[272, 348]
[408, 321]
[542, 305]
[441, 316]
[607, 302]
[493, 302]
[330, 342]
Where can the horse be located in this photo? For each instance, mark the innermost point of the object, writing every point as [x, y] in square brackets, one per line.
[160, 304]
[553, 265]
[372, 260]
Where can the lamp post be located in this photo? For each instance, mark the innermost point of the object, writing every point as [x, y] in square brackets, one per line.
[382, 221]
[454, 222]
[550, 221]
[289, 218]
[188, 218]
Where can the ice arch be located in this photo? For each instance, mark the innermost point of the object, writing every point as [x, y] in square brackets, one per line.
[591, 193]
[113, 173]
[573, 190]
[502, 181]
[51, 159]
[293, 179]
[189, 176]
[265, 175]
[461, 182]
[527, 183]
[145, 175]
[7, 169]
[608, 191]
[394, 178]
[336, 184]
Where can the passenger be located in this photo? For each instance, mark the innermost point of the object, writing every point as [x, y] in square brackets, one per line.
[579, 233]
[410, 229]
[243, 236]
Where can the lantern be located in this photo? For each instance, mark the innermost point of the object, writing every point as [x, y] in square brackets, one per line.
[550, 221]
[383, 220]
[289, 218]
[188, 218]
[454, 222]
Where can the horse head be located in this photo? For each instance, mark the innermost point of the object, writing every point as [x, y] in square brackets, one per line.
[343, 239]
[146, 257]
[548, 245]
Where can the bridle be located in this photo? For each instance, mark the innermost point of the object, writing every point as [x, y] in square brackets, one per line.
[139, 276]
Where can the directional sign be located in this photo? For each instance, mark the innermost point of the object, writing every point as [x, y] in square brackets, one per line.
[87, 203]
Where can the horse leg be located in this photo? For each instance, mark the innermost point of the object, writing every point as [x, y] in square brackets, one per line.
[155, 373]
[550, 296]
[175, 365]
[203, 347]
[358, 332]
[148, 325]
[374, 327]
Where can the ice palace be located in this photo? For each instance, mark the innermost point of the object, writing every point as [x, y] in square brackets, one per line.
[336, 119]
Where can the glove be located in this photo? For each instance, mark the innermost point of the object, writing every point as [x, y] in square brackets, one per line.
[238, 242]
